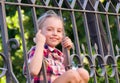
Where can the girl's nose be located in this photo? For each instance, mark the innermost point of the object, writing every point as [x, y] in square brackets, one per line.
[55, 32]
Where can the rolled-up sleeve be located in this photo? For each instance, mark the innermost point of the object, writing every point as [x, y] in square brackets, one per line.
[30, 55]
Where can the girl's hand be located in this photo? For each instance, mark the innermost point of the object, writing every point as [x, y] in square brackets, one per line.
[39, 38]
[67, 43]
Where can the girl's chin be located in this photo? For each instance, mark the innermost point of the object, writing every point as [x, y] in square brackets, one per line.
[52, 45]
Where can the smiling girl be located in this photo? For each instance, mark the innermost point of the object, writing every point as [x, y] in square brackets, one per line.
[50, 34]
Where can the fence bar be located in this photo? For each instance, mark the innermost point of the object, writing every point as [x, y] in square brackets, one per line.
[97, 44]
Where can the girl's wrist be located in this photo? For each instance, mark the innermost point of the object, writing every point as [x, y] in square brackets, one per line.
[40, 44]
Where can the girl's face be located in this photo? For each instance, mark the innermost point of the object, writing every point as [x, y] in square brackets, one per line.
[53, 30]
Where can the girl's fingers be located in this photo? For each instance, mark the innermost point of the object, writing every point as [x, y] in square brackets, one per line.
[67, 43]
[34, 39]
[39, 30]
[39, 37]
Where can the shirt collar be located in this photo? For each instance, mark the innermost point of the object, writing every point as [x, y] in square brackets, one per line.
[48, 47]
[51, 49]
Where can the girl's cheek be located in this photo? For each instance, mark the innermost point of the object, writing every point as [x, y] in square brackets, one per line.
[62, 35]
[43, 32]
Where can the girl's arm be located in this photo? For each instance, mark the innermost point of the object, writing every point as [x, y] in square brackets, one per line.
[36, 61]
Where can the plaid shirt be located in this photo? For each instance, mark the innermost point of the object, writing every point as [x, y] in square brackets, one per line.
[53, 60]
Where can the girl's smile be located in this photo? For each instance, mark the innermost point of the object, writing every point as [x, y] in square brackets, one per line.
[53, 31]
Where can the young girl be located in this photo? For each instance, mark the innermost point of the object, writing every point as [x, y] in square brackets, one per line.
[50, 34]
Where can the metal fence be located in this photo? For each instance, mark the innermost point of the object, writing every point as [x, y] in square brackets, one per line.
[99, 22]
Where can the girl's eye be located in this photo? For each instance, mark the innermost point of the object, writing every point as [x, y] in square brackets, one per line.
[49, 29]
[59, 30]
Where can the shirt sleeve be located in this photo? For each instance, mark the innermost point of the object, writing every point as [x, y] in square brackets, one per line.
[29, 56]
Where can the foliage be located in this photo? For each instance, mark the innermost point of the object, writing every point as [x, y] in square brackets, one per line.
[17, 55]
[3, 80]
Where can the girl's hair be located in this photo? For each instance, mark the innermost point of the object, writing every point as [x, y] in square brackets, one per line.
[48, 14]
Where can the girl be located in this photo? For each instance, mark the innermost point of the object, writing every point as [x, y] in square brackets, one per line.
[50, 34]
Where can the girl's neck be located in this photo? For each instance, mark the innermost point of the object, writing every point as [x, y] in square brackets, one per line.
[50, 47]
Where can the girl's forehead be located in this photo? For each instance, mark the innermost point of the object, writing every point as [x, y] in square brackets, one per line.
[54, 21]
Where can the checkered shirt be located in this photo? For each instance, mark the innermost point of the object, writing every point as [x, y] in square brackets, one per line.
[54, 63]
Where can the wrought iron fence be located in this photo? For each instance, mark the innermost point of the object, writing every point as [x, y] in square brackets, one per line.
[99, 22]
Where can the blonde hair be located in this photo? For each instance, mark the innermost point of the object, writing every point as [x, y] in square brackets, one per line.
[48, 14]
